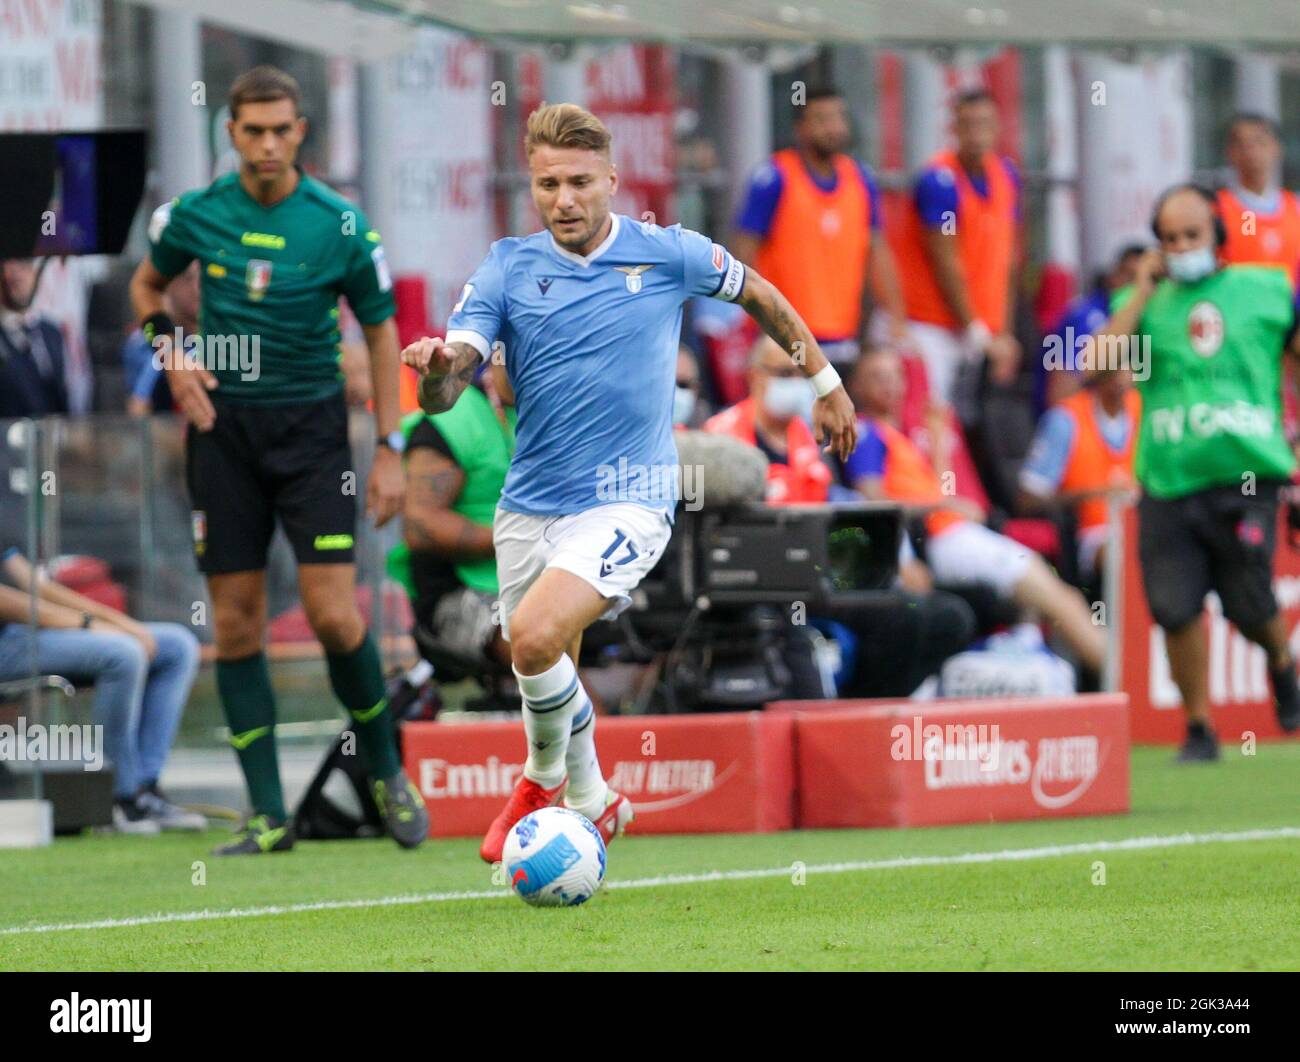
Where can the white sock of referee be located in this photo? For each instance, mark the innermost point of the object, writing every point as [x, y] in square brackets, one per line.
[552, 701]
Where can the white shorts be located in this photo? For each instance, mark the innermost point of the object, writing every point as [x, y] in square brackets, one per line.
[611, 547]
[968, 553]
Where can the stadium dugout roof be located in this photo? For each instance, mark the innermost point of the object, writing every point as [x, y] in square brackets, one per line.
[372, 29]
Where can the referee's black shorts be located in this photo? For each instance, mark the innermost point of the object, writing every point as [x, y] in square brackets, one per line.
[260, 462]
[1218, 539]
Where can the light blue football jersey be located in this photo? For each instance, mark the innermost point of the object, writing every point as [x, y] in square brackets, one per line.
[590, 347]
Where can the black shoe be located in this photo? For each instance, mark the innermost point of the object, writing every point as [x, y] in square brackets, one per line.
[130, 817]
[403, 809]
[169, 816]
[1286, 698]
[1201, 746]
[261, 833]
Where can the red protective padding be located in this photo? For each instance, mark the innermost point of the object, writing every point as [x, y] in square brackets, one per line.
[717, 773]
[869, 763]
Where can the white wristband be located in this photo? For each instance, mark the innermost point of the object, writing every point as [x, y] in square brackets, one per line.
[825, 381]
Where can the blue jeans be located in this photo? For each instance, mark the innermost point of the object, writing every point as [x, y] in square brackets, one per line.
[138, 702]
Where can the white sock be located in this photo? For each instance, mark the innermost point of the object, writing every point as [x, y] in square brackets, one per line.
[550, 701]
[586, 790]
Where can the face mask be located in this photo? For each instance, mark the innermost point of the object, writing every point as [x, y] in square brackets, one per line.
[1191, 266]
[789, 397]
[683, 404]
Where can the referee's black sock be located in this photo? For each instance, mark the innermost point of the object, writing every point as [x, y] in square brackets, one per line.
[249, 704]
[358, 681]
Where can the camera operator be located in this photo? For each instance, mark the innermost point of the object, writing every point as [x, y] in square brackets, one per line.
[909, 635]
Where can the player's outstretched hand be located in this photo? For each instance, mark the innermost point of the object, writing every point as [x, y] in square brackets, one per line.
[835, 423]
[190, 387]
[429, 356]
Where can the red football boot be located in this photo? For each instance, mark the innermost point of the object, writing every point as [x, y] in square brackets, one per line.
[527, 798]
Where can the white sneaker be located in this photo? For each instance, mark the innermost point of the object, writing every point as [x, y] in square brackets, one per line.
[130, 817]
[167, 815]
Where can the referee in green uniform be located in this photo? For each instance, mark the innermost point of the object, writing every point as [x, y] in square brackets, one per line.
[1211, 452]
[268, 431]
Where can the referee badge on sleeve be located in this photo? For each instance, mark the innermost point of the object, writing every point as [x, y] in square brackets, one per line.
[199, 529]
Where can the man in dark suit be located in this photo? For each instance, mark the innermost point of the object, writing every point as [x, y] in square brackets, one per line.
[31, 349]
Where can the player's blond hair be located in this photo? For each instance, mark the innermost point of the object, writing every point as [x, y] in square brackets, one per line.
[566, 125]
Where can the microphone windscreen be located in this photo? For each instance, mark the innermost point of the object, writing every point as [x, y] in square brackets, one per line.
[719, 470]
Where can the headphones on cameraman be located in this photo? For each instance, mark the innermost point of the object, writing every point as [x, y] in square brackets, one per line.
[1220, 230]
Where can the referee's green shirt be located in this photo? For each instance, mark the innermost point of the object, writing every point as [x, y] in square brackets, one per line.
[271, 279]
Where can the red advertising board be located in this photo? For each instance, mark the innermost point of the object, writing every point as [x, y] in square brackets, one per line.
[716, 773]
[868, 763]
[1241, 700]
[631, 88]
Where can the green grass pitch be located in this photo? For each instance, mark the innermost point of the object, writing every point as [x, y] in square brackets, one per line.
[1201, 904]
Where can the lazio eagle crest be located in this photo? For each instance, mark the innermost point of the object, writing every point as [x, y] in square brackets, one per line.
[633, 277]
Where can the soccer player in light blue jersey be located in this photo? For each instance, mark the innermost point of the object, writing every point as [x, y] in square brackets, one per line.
[586, 316]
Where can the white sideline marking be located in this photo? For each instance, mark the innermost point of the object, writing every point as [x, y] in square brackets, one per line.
[1009, 855]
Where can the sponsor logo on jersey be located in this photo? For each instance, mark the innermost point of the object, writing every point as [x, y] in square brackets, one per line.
[1205, 328]
[719, 256]
[544, 284]
[257, 278]
[262, 239]
[633, 276]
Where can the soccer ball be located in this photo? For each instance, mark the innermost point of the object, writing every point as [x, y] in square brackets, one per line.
[554, 858]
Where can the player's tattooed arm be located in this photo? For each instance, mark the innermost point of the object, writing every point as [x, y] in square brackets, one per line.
[433, 483]
[774, 314]
[445, 369]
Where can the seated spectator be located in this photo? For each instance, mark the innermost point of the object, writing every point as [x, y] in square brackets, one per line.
[1082, 452]
[776, 418]
[456, 465]
[930, 425]
[1082, 318]
[960, 551]
[147, 390]
[32, 362]
[142, 673]
[690, 411]
[910, 632]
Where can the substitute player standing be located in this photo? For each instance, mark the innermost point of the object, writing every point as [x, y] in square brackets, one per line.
[1211, 453]
[268, 437]
[588, 313]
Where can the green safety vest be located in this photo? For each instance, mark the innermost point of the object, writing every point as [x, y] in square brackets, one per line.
[1212, 404]
[483, 450]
